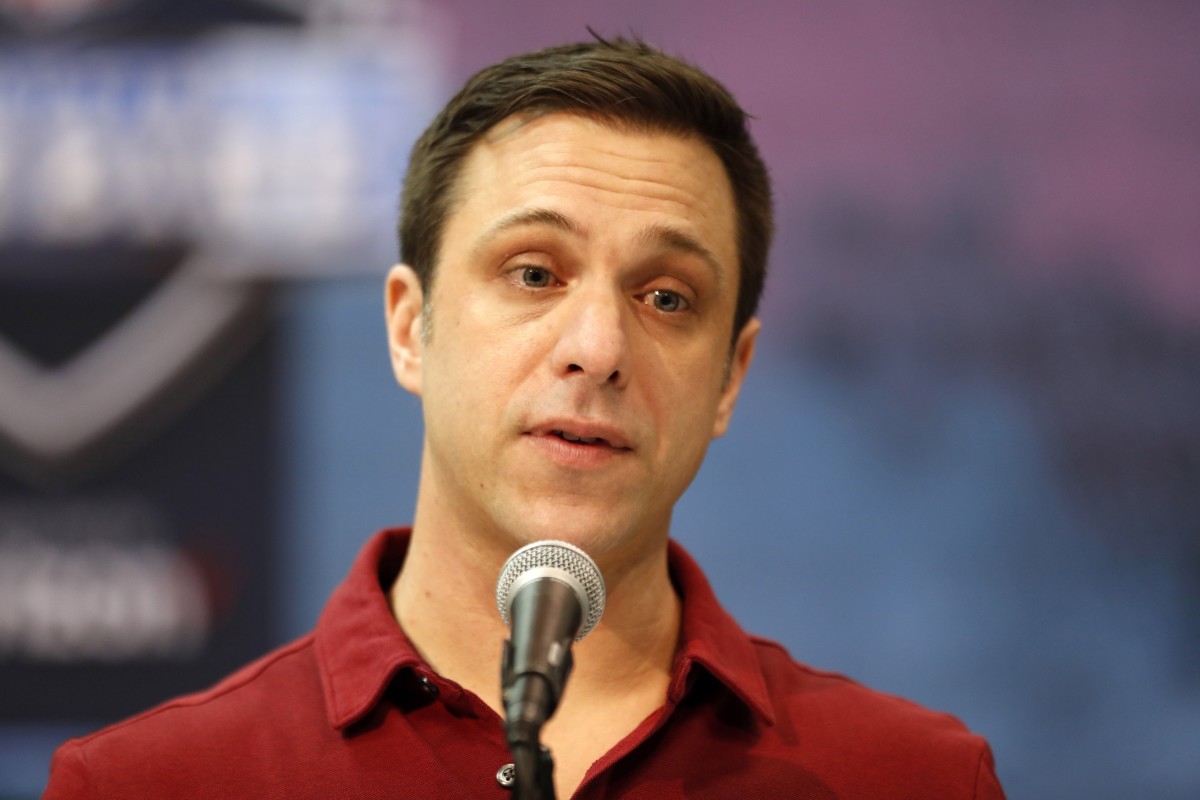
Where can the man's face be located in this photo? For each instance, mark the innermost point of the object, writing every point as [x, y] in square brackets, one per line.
[578, 361]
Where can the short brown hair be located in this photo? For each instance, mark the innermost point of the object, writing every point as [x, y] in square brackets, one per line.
[618, 80]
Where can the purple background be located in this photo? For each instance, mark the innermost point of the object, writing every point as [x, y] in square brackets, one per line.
[966, 466]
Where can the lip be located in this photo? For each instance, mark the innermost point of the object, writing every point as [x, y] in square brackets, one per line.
[611, 446]
[608, 437]
[576, 456]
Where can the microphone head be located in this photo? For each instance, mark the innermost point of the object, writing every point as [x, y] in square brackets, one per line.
[558, 560]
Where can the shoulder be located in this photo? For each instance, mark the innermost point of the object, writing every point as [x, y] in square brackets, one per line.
[793, 685]
[289, 671]
[871, 736]
[191, 731]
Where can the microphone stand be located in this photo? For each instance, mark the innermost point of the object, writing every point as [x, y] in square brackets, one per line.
[533, 764]
[534, 772]
[546, 593]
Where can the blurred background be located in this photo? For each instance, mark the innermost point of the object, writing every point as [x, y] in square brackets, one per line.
[965, 468]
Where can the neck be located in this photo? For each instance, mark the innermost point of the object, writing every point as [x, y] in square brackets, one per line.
[444, 599]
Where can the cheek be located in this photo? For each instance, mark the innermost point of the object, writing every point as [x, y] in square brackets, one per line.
[473, 371]
[685, 399]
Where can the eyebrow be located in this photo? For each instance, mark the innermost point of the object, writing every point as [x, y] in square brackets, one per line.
[657, 235]
[529, 217]
[669, 238]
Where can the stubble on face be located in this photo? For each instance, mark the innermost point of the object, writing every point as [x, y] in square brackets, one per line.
[507, 361]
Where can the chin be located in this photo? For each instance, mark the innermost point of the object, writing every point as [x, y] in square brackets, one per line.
[598, 532]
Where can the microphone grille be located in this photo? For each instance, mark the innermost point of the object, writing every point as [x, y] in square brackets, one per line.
[555, 555]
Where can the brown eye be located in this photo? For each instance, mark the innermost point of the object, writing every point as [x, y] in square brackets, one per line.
[535, 277]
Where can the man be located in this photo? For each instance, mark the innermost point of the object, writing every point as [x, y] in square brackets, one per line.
[584, 234]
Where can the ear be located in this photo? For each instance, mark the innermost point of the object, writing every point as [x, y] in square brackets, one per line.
[740, 358]
[404, 303]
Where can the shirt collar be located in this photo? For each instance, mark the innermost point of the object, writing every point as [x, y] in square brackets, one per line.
[711, 638]
[360, 648]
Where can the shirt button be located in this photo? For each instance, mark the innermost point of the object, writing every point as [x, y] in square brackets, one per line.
[506, 776]
[430, 688]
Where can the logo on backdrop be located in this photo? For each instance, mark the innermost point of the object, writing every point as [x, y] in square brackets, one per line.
[157, 188]
[268, 153]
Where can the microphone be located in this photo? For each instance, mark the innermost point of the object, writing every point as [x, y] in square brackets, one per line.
[549, 594]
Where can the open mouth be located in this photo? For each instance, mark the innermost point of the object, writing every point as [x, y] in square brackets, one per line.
[596, 436]
[570, 437]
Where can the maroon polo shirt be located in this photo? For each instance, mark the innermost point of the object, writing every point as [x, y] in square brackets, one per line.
[352, 711]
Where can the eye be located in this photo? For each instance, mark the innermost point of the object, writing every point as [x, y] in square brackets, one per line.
[535, 277]
[666, 301]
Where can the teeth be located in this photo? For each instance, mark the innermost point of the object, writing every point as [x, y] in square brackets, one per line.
[570, 437]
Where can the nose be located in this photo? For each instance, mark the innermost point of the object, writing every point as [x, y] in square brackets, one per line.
[593, 343]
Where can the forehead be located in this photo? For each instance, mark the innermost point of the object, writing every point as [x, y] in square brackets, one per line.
[587, 169]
